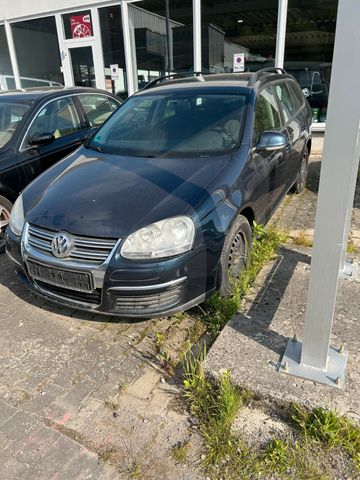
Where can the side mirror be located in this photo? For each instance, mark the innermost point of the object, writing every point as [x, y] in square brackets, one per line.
[271, 141]
[306, 92]
[41, 139]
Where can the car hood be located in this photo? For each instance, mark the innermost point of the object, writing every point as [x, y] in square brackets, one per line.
[97, 194]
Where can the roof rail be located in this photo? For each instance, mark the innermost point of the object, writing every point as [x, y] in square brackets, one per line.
[168, 77]
[263, 71]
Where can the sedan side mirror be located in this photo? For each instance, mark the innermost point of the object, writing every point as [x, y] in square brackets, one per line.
[271, 141]
[306, 92]
[41, 139]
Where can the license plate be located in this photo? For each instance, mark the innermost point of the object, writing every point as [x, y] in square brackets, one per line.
[61, 278]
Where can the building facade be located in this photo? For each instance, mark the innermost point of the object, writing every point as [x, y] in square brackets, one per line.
[120, 46]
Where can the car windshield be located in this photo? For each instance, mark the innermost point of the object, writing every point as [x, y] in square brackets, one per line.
[11, 115]
[173, 124]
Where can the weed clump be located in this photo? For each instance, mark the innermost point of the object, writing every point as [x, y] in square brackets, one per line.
[219, 309]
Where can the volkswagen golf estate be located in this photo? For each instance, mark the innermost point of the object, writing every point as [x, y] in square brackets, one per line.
[154, 212]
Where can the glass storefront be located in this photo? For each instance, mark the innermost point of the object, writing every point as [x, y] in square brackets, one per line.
[161, 39]
[229, 28]
[309, 48]
[113, 49]
[7, 80]
[37, 52]
[163, 36]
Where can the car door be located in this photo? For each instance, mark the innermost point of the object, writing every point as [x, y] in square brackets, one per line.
[294, 129]
[270, 165]
[60, 118]
[96, 108]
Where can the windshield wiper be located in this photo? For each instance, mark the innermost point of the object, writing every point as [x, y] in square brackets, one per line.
[94, 147]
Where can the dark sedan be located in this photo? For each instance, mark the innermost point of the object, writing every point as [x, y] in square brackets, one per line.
[38, 127]
[155, 211]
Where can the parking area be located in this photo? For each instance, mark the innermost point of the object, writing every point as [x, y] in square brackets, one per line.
[83, 396]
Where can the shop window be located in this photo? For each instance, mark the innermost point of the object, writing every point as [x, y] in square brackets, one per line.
[163, 38]
[6, 74]
[231, 28]
[78, 24]
[113, 50]
[37, 52]
[309, 48]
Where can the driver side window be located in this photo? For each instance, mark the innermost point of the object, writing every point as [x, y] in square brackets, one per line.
[267, 115]
[59, 118]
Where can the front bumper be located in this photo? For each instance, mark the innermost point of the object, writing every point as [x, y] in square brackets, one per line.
[124, 287]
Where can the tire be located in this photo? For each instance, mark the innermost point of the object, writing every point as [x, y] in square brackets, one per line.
[300, 183]
[5, 209]
[235, 253]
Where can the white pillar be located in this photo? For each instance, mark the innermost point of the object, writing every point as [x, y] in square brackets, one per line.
[197, 35]
[336, 195]
[12, 53]
[130, 54]
[281, 33]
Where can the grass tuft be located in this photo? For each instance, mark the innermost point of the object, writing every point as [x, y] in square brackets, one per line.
[180, 451]
[219, 309]
[329, 428]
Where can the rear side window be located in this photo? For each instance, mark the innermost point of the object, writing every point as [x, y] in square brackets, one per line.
[97, 108]
[267, 116]
[286, 100]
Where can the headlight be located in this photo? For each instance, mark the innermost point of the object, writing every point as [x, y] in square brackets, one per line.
[17, 218]
[161, 239]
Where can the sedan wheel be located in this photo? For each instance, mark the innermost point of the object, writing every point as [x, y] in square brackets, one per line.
[5, 209]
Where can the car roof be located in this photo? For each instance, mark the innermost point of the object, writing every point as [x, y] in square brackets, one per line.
[244, 80]
[35, 94]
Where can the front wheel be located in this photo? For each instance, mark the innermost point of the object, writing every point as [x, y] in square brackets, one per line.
[5, 209]
[235, 254]
[300, 183]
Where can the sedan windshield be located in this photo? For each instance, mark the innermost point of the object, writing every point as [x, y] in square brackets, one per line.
[11, 115]
[173, 124]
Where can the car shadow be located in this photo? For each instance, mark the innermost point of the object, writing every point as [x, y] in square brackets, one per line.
[267, 301]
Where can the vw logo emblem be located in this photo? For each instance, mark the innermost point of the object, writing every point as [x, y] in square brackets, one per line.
[61, 245]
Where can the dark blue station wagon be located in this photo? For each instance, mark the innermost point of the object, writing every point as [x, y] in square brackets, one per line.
[154, 212]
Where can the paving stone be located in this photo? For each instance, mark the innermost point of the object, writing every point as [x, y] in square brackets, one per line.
[6, 411]
[19, 425]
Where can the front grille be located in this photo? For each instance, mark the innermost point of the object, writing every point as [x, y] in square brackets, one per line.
[93, 298]
[146, 304]
[87, 250]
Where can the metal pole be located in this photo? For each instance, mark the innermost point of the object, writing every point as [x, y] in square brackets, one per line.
[349, 270]
[168, 46]
[12, 53]
[281, 33]
[197, 34]
[130, 55]
[314, 359]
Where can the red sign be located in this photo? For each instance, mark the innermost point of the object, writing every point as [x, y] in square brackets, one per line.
[80, 26]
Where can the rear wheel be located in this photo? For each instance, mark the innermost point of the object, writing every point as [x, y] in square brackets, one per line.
[235, 254]
[300, 183]
[5, 209]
